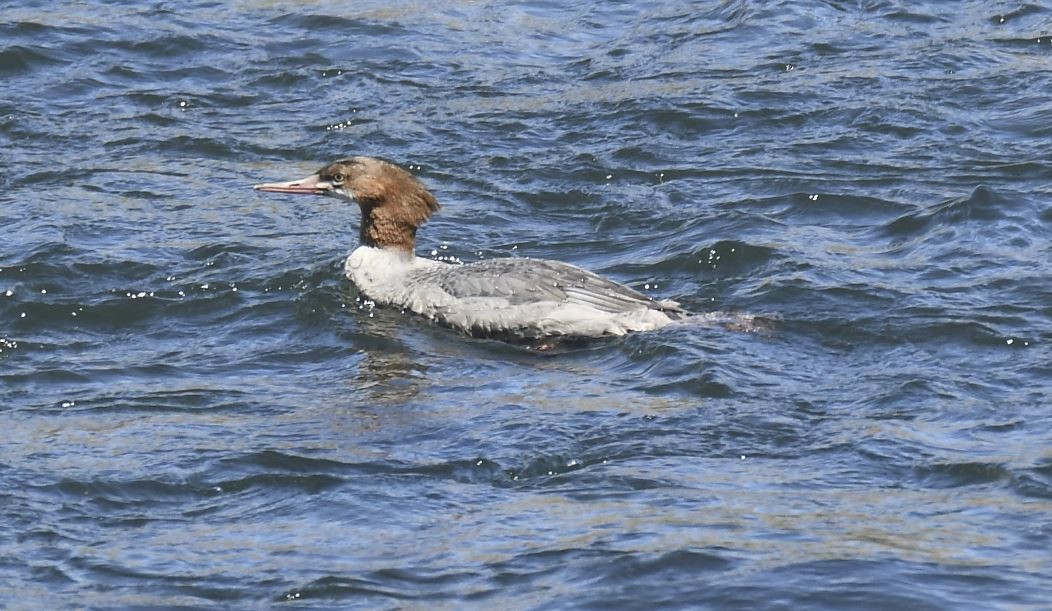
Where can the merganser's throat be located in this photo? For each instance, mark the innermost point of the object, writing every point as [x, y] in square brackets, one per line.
[383, 227]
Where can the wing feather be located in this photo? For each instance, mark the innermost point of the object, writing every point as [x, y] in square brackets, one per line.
[524, 281]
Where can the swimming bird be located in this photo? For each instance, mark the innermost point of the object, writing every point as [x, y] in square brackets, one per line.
[506, 298]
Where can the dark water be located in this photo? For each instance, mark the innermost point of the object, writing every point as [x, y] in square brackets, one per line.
[198, 412]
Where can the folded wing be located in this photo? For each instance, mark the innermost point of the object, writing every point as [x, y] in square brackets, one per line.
[528, 281]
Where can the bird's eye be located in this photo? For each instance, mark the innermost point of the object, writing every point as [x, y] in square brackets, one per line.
[336, 178]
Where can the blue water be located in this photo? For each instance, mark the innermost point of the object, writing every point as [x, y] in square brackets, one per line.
[199, 411]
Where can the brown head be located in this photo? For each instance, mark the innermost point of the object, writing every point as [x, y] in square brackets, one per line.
[393, 203]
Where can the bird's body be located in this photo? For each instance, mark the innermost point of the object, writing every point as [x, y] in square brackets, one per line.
[511, 297]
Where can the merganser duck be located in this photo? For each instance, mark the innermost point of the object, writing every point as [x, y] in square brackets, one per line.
[508, 298]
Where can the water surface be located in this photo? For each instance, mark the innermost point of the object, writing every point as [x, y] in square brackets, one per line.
[199, 411]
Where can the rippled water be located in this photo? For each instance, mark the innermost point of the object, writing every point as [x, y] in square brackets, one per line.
[198, 411]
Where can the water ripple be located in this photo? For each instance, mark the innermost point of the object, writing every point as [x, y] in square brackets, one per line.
[852, 197]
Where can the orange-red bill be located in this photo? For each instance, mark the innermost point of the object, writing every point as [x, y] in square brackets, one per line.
[311, 185]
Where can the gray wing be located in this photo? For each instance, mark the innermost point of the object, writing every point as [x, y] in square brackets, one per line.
[524, 281]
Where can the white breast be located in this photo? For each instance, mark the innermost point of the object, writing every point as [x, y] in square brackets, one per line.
[385, 276]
